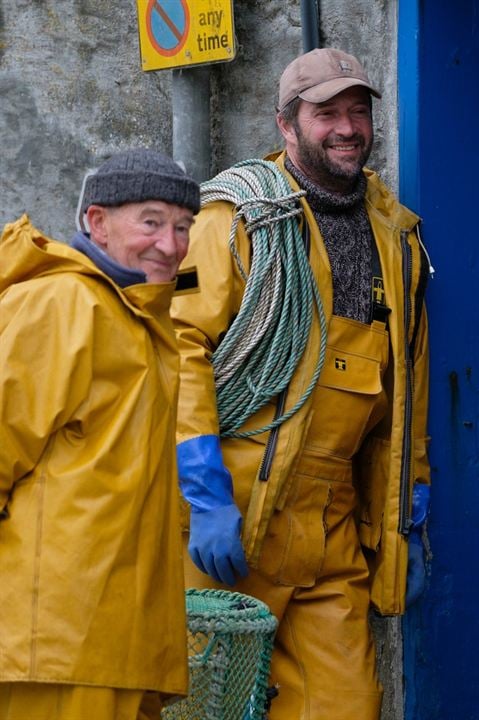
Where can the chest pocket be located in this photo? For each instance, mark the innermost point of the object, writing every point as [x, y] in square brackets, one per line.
[349, 397]
[346, 371]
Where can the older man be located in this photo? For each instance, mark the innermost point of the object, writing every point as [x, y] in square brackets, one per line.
[315, 500]
[92, 591]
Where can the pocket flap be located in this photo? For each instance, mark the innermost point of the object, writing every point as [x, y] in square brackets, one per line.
[353, 373]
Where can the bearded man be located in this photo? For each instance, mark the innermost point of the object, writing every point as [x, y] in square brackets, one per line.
[320, 514]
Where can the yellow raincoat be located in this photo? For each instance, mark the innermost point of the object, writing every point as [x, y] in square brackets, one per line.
[91, 587]
[392, 457]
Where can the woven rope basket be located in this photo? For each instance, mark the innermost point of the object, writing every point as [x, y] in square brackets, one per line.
[230, 641]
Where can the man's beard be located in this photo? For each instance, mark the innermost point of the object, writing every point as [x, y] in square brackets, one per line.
[321, 169]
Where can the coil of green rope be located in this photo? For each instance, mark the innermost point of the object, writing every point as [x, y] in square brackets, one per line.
[264, 344]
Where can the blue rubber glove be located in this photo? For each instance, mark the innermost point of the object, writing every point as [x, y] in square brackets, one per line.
[215, 522]
[416, 569]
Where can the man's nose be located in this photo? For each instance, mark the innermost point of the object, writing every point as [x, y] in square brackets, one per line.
[166, 240]
[344, 125]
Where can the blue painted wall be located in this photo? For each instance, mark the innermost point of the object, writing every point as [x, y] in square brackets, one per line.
[439, 177]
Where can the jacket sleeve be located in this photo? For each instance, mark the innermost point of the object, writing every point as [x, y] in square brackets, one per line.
[44, 365]
[202, 319]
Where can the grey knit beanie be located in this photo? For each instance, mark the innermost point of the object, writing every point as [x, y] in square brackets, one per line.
[138, 175]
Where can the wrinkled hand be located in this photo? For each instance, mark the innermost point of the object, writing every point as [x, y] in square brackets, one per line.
[215, 544]
[416, 569]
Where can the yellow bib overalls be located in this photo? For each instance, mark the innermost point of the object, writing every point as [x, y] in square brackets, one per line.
[312, 572]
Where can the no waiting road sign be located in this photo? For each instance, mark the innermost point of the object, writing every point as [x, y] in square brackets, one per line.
[175, 33]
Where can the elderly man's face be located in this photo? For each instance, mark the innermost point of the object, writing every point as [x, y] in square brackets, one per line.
[331, 141]
[151, 236]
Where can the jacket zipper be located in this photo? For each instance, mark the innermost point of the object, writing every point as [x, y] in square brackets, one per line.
[404, 519]
[267, 461]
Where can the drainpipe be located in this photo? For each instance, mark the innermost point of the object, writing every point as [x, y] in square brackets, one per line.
[191, 120]
[191, 102]
[310, 24]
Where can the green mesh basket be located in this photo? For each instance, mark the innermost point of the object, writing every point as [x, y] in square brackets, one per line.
[230, 640]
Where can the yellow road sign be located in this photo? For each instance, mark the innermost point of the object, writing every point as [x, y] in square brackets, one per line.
[175, 33]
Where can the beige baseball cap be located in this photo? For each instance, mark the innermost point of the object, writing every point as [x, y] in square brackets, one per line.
[321, 74]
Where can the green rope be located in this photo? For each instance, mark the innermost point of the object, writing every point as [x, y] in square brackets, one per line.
[263, 346]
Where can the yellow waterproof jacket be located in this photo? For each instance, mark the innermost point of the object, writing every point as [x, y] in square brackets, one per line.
[391, 458]
[91, 587]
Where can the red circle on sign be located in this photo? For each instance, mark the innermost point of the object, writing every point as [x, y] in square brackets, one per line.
[153, 5]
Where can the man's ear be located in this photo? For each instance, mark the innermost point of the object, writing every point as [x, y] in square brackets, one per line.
[286, 128]
[96, 216]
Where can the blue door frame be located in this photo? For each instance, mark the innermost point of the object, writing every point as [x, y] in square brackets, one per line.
[438, 61]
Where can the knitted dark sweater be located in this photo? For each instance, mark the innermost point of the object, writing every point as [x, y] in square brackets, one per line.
[346, 231]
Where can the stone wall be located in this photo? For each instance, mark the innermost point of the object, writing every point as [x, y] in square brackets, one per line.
[72, 92]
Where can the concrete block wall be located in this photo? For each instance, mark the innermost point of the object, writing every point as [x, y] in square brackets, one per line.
[72, 92]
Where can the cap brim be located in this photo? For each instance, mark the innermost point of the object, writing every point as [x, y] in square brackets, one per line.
[327, 90]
